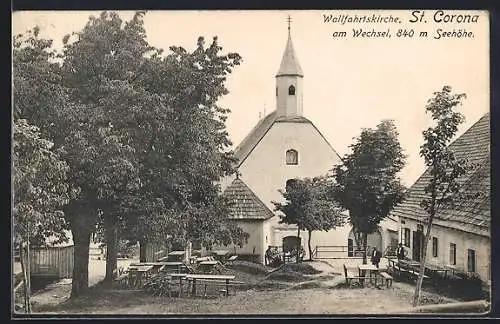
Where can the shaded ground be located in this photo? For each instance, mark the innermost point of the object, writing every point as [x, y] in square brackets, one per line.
[57, 292]
[304, 301]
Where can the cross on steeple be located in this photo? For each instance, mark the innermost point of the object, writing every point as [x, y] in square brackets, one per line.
[289, 20]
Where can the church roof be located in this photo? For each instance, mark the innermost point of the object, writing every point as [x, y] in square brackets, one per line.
[244, 203]
[470, 215]
[253, 138]
[289, 63]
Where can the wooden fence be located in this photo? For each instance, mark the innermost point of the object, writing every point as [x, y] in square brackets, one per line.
[154, 251]
[52, 261]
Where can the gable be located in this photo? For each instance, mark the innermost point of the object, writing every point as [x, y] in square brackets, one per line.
[248, 144]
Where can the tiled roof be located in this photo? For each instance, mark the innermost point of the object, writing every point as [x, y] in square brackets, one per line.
[244, 203]
[471, 215]
[253, 138]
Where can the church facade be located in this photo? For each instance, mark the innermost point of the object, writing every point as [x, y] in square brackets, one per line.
[285, 145]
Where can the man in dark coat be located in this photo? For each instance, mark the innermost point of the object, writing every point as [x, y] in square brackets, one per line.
[376, 255]
[401, 252]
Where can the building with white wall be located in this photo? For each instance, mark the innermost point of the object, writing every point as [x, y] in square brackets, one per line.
[460, 233]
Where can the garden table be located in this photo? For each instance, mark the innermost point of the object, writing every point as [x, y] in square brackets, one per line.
[208, 266]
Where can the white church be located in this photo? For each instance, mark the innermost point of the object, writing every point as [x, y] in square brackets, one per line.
[285, 145]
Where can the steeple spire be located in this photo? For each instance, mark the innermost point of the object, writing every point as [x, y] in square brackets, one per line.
[289, 81]
[289, 63]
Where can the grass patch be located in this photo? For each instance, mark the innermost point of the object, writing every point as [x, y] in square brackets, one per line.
[289, 276]
[248, 267]
[302, 268]
[306, 285]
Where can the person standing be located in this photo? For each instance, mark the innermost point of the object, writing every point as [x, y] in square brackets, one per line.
[376, 255]
[401, 252]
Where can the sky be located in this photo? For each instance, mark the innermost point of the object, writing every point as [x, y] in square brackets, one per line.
[349, 83]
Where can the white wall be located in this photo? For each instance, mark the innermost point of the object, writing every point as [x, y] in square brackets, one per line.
[265, 170]
[463, 241]
[255, 240]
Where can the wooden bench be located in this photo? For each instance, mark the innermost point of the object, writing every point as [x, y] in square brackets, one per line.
[388, 278]
[415, 275]
[221, 285]
[349, 277]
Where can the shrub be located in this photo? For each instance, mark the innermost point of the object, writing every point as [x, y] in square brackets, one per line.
[248, 267]
[287, 276]
[303, 268]
[158, 285]
[249, 257]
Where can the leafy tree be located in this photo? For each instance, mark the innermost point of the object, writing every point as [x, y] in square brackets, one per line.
[143, 134]
[308, 205]
[98, 63]
[40, 173]
[366, 183]
[444, 168]
[183, 147]
[40, 192]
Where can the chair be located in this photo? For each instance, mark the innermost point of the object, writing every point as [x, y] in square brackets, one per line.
[349, 277]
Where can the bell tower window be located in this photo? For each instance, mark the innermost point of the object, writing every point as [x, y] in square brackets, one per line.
[276, 91]
[292, 157]
[291, 90]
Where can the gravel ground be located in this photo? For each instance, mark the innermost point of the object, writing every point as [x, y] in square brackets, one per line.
[322, 293]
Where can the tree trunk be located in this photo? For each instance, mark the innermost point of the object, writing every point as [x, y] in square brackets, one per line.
[111, 238]
[420, 280]
[27, 304]
[142, 250]
[81, 240]
[309, 245]
[28, 270]
[365, 237]
[298, 245]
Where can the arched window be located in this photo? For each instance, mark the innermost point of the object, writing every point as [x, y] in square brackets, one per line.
[291, 90]
[276, 91]
[292, 157]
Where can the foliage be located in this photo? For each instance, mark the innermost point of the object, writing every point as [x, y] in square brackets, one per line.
[366, 182]
[159, 285]
[302, 268]
[444, 169]
[142, 134]
[40, 188]
[307, 205]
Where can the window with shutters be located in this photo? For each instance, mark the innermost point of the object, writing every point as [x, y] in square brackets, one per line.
[471, 260]
[406, 237]
[435, 247]
[453, 253]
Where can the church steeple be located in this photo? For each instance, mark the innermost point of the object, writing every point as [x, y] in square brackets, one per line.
[289, 63]
[289, 81]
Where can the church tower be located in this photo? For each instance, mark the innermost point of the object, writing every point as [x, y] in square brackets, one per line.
[289, 82]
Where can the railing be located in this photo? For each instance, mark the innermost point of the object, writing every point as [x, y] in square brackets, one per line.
[390, 251]
[335, 252]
